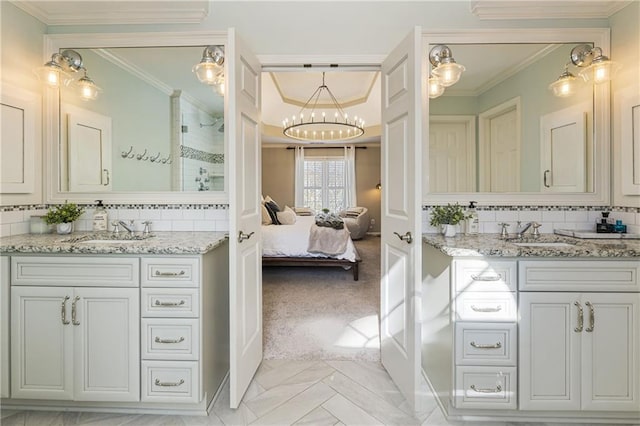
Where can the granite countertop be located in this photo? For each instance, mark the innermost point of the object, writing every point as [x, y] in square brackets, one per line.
[493, 245]
[157, 243]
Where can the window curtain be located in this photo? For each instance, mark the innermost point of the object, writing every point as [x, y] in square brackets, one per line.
[350, 176]
[299, 177]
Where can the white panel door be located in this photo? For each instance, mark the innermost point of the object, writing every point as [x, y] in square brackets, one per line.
[563, 150]
[402, 100]
[106, 344]
[611, 352]
[245, 261]
[499, 147]
[41, 343]
[89, 145]
[549, 348]
[452, 153]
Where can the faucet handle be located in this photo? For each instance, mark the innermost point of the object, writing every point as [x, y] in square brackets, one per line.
[116, 227]
[535, 226]
[147, 226]
[503, 232]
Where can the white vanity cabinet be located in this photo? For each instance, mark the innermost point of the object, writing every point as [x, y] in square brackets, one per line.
[4, 326]
[580, 350]
[76, 343]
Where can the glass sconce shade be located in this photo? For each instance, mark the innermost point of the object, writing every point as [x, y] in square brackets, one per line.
[565, 85]
[600, 71]
[448, 73]
[435, 88]
[53, 75]
[88, 91]
[209, 69]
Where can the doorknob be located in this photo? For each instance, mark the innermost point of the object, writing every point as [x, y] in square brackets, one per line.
[242, 236]
[406, 237]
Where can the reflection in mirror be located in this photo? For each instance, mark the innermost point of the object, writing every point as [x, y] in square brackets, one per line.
[500, 128]
[154, 127]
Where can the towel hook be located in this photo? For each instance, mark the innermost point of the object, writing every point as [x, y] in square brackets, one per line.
[128, 154]
[142, 156]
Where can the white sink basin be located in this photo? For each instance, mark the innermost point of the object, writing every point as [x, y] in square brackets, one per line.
[109, 241]
[543, 244]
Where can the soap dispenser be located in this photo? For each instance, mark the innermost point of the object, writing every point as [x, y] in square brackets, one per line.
[100, 217]
[473, 224]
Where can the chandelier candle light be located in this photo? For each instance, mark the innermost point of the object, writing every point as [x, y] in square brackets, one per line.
[307, 127]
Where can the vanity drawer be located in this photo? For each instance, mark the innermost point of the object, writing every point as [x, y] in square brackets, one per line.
[486, 388]
[170, 339]
[579, 275]
[486, 343]
[486, 306]
[170, 302]
[75, 271]
[170, 272]
[170, 381]
[485, 275]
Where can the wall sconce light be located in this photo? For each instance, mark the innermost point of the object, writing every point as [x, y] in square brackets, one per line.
[445, 67]
[598, 68]
[210, 69]
[379, 186]
[565, 85]
[58, 72]
[435, 87]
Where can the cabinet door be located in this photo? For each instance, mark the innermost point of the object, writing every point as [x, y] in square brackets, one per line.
[4, 327]
[41, 343]
[611, 352]
[107, 344]
[550, 351]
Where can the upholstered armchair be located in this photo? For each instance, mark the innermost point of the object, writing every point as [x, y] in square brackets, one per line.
[356, 219]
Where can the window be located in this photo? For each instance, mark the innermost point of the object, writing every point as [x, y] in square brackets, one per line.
[324, 183]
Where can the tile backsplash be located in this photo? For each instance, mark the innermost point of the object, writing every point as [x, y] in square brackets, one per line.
[14, 220]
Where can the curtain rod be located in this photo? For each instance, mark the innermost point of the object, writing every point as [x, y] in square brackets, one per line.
[327, 147]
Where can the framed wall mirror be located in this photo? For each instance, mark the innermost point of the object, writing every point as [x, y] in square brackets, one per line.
[154, 134]
[499, 135]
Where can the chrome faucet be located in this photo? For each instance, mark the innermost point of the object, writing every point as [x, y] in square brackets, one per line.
[129, 227]
[520, 231]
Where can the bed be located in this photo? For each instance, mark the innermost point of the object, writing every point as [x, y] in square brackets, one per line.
[287, 245]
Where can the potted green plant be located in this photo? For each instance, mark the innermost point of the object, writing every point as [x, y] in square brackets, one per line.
[448, 217]
[63, 217]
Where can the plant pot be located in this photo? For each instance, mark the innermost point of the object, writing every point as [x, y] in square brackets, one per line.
[449, 230]
[64, 228]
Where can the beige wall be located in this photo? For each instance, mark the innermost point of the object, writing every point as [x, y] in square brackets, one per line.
[278, 170]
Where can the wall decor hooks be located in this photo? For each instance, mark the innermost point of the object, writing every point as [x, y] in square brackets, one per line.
[143, 156]
[128, 154]
[154, 159]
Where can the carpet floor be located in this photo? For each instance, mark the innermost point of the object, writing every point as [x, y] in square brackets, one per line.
[321, 312]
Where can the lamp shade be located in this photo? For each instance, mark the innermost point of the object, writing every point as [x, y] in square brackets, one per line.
[435, 88]
[207, 72]
[88, 91]
[53, 75]
[448, 73]
[565, 86]
[600, 71]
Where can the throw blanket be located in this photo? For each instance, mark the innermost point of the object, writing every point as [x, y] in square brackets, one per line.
[328, 241]
[329, 221]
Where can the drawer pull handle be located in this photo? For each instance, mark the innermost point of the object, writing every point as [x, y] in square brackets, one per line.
[159, 383]
[74, 311]
[497, 389]
[159, 303]
[169, 274]
[63, 311]
[496, 309]
[483, 346]
[486, 277]
[592, 319]
[578, 329]
[159, 340]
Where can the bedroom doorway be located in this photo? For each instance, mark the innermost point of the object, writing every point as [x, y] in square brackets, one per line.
[314, 312]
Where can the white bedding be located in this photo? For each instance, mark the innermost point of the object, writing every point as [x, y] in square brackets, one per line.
[293, 240]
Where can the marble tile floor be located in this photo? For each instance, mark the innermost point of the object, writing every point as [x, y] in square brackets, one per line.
[283, 392]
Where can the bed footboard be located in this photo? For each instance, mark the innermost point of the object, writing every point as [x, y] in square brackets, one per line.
[314, 261]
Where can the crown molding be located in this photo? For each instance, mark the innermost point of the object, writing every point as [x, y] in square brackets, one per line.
[509, 9]
[111, 13]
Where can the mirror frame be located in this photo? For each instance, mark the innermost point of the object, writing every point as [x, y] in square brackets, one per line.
[51, 118]
[601, 117]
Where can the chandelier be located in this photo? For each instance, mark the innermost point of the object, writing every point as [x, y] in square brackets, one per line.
[306, 126]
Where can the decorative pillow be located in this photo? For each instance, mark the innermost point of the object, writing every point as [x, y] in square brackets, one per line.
[266, 218]
[355, 210]
[272, 209]
[304, 211]
[268, 199]
[286, 217]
